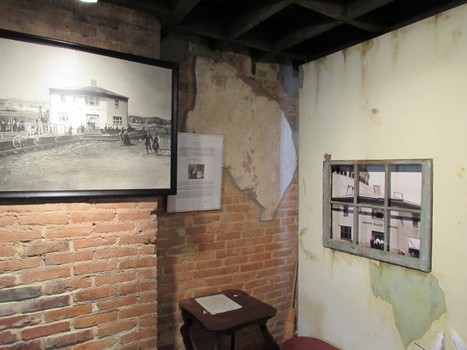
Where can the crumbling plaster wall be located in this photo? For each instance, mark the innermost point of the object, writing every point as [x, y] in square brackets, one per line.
[259, 149]
[248, 103]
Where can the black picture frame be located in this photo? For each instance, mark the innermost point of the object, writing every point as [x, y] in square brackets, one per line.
[62, 110]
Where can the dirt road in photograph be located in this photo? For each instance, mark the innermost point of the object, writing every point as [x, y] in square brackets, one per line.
[85, 165]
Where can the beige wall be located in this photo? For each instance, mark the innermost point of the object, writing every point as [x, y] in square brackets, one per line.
[402, 95]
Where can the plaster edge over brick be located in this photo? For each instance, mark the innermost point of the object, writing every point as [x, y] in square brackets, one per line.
[258, 145]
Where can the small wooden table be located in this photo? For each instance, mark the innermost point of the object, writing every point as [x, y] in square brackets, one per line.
[253, 312]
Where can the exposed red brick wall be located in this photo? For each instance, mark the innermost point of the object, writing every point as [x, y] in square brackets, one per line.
[207, 252]
[79, 275]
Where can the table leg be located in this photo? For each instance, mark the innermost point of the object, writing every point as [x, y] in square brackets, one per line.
[232, 341]
[269, 342]
[217, 341]
[185, 331]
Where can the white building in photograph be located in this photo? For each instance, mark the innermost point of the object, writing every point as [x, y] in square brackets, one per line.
[404, 221]
[90, 107]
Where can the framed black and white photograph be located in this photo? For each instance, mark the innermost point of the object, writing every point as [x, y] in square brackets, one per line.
[380, 209]
[82, 121]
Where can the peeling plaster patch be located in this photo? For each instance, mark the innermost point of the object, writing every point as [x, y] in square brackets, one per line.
[226, 105]
[247, 163]
[416, 298]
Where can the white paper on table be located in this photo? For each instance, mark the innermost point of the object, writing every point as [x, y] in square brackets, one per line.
[216, 304]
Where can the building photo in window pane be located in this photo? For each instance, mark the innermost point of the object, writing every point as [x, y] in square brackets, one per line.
[371, 228]
[380, 209]
[342, 222]
[404, 230]
[371, 184]
[406, 185]
[342, 183]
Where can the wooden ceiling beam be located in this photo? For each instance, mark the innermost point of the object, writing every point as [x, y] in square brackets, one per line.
[205, 29]
[302, 34]
[368, 27]
[355, 9]
[333, 10]
[358, 8]
[181, 9]
[232, 27]
[254, 17]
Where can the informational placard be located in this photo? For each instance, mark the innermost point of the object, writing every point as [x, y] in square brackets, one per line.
[199, 173]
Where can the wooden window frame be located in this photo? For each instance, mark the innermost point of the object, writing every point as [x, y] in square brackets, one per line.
[405, 244]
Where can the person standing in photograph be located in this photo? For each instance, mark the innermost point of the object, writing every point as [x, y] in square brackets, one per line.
[147, 141]
[155, 144]
[126, 139]
[122, 131]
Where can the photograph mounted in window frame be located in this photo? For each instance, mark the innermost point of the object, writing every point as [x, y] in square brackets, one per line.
[379, 209]
[80, 121]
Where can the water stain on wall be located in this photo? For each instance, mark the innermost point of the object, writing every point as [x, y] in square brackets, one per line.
[416, 298]
[461, 173]
[308, 253]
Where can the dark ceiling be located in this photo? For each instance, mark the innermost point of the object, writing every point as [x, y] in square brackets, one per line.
[295, 31]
